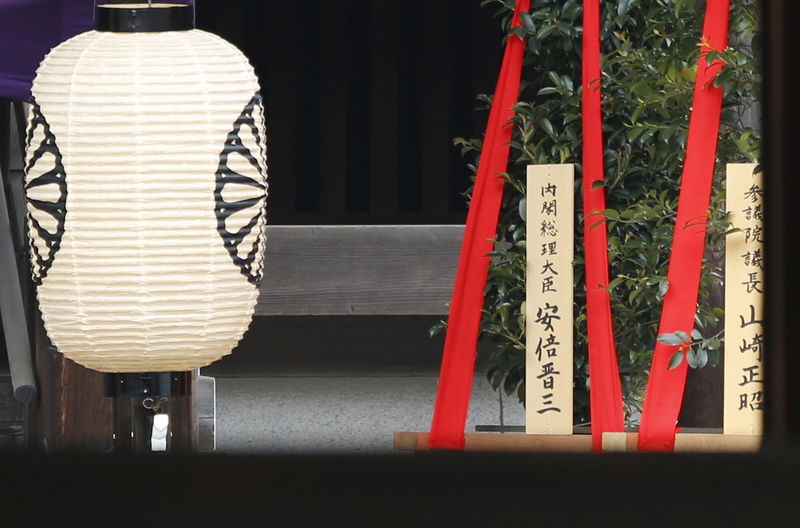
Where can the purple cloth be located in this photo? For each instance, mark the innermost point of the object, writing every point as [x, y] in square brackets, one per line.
[31, 28]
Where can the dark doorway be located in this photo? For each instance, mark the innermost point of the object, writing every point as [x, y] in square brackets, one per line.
[363, 100]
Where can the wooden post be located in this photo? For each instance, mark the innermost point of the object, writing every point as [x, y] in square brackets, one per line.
[73, 413]
[744, 302]
[548, 299]
[184, 435]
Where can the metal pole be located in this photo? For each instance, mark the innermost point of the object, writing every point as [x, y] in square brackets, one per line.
[12, 309]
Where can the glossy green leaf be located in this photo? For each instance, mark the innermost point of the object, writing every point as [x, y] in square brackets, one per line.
[676, 359]
[670, 339]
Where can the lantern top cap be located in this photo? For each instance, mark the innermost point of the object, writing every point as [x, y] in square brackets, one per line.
[143, 17]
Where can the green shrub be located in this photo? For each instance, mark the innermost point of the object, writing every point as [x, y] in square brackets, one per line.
[650, 52]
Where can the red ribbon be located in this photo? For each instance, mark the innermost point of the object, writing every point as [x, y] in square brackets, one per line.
[458, 361]
[665, 387]
[605, 394]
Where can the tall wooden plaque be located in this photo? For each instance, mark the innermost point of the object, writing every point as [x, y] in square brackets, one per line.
[744, 302]
[548, 360]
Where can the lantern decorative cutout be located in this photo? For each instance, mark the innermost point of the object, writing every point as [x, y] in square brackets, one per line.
[146, 186]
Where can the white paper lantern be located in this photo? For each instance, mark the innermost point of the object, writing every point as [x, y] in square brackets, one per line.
[146, 182]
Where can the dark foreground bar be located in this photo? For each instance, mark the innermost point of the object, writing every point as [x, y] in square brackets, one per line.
[431, 489]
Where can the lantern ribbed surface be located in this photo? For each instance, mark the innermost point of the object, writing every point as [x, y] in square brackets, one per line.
[146, 183]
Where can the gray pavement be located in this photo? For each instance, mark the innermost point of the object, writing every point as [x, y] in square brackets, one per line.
[337, 414]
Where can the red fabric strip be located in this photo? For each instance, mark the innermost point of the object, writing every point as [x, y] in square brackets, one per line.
[665, 387]
[605, 395]
[463, 325]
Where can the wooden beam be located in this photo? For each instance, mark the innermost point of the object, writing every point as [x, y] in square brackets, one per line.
[781, 112]
[384, 113]
[688, 442]
[507, 442]
[278, 74]
[332, 103]
[339, 345]
[612, 442]
[435, 106]
[355, 128]
[359, 270]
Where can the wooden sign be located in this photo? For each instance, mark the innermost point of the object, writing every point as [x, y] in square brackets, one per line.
[744, 302]
[548, 299]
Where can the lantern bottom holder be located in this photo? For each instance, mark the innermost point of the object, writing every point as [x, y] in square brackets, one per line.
[146, 384]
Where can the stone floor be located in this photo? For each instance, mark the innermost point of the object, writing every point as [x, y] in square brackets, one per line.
[337, 414]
